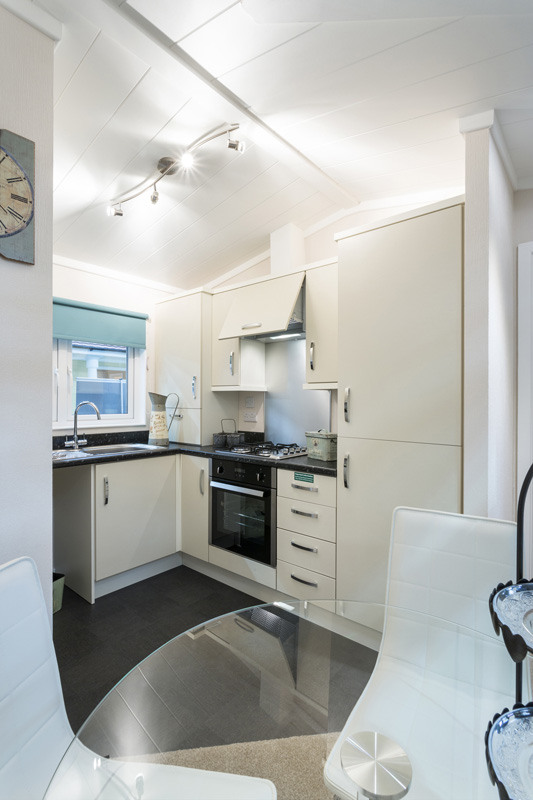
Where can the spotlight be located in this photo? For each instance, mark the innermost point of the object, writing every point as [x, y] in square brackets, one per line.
[187, 160]
[154, 197]
[115, 211]
[233, 144]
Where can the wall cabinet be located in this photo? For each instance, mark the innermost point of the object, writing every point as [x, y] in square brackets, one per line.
[400, 330]
[321, 308]
[183, 365]
[135, 514]
[236, 363]
[306, 535]
[400, 386]
[195, 506]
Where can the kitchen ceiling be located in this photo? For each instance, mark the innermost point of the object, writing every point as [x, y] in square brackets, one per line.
[341, 108]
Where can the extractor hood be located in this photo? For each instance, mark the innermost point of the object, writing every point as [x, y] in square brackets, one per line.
[267, 308]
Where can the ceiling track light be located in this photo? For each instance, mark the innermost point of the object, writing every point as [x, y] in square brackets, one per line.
[169, 166]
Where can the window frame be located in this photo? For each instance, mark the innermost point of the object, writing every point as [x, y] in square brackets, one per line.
[63, 416]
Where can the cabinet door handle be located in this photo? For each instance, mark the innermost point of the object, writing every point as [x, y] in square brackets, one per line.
[243, 625]
[312, 355]
[347, 404]
[106, 491]
[202, 473]
[231, 355]
[302, 547]
[304, 513]
[193, 387]
[251, 325]
[301, 580]
[345, 470]
[304, 488]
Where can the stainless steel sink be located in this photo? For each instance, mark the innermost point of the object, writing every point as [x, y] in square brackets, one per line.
[119, 449]
[63, 455]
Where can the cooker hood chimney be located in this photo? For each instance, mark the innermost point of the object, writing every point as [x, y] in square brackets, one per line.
[287, 249]
[287, 253]
[283, 295]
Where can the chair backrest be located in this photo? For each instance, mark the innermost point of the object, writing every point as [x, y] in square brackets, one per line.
[447, 564]
[34, 729]
[436, 685]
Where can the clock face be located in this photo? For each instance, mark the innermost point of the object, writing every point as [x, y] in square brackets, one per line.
[16, 196]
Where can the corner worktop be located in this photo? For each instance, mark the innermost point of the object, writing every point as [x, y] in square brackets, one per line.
[302, 464]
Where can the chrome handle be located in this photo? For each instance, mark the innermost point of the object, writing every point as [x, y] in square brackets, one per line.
[301, 580]
[202, 473]
[345, 470]
[304, 488]
[193, 387]
[238, 489]
[312, 355]
[241, 624]
[251, 325]
[106, 491]
[231, 362]
[304, 513]
[347, 404]
[302, 547]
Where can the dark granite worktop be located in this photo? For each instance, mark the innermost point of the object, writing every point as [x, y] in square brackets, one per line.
[301, 464]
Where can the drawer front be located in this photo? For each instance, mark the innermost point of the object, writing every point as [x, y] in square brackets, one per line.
[306, 551]
[307, 518]
[307, 487]
[303, 583]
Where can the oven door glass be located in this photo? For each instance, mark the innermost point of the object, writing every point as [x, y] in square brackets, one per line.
[242, 520]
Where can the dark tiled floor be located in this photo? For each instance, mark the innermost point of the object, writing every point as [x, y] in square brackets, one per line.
[98, 644]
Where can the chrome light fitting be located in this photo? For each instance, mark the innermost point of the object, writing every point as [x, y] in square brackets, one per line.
[169, 166]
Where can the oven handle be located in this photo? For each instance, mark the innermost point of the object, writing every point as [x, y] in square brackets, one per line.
[227, 487]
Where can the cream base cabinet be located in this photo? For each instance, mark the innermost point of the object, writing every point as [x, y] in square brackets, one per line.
[195, 506]
[134, 512]
[321, 310]
[374, 478]
[183, 341]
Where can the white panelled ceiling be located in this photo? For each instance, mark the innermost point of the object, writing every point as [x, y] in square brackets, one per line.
[339, 110]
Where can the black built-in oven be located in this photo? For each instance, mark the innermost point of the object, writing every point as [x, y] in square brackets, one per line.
[243, 509]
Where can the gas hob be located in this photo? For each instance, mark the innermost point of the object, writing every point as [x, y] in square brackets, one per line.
[262, 450]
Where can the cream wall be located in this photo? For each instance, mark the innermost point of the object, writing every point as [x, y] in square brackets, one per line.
[26, 66]
[109, 288]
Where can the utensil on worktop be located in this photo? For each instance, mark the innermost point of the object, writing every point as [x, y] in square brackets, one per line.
[158, 418]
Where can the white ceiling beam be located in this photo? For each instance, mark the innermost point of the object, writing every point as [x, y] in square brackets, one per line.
[36, 17]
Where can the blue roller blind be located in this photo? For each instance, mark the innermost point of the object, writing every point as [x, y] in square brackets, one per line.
[86, 322]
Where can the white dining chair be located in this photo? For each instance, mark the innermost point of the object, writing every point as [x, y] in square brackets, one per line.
[435, 686]
[35, 733]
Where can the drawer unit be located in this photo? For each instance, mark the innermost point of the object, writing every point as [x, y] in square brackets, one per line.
[304, 584]
[306, 536]
[310, 519]
[306, 551]
[307, 487]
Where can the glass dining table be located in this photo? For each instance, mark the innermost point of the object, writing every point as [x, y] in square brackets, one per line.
[282, 691]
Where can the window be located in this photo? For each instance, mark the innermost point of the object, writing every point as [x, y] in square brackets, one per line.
[99, 356]
[110, 376]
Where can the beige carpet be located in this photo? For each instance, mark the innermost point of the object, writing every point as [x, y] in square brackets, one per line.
[295, 765]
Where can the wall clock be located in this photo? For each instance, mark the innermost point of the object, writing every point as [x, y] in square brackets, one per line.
[17, 175]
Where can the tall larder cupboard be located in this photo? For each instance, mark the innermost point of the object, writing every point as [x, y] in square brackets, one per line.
[400, 385]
